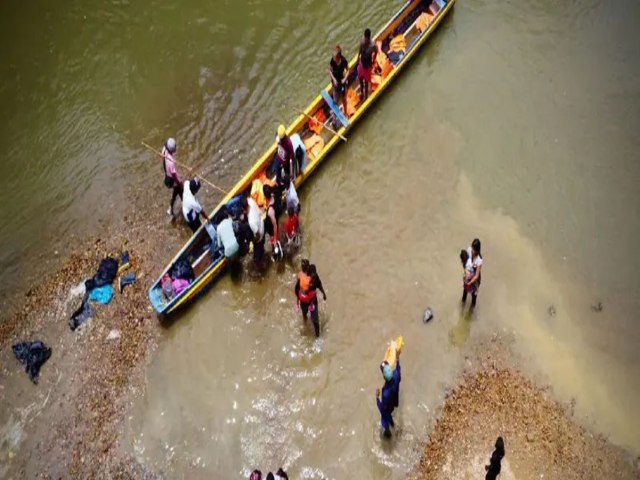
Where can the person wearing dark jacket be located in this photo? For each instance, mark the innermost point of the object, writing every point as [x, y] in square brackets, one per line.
[493, 469]
[389, 399]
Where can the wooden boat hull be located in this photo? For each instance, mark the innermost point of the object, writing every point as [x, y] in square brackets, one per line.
[216, 269]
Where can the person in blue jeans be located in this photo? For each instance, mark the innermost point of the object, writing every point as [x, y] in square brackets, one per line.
[389, 398]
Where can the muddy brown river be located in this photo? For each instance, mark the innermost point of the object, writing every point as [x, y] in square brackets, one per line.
[516, 123]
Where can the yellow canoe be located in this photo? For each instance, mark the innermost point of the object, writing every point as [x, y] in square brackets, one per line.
[399, 39]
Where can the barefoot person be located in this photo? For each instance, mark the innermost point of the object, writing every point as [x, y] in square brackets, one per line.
[366, 55]
[171, 178]
[474, 264]
[494, 467]
[339, 73]
[389, 398]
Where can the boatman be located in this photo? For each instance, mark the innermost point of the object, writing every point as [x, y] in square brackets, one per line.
[285, 157]
[339, 74]
[191, 208]
[366, 56]
[171, 178]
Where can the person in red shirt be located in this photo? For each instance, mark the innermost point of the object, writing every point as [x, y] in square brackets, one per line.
[291, 227]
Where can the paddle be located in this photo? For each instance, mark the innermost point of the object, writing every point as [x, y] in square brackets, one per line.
[324, 126]
[188, 168]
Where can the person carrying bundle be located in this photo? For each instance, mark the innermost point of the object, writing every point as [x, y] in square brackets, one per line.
[388, 399]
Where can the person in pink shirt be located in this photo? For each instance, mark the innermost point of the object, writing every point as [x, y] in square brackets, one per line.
[171, 177]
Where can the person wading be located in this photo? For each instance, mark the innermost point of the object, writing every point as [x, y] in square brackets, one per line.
[474, 264]
[307, 300]
[339, 74]
[389, 399]
[366, 55]
[171, 178]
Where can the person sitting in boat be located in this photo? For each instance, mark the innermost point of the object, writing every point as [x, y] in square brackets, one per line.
[285, 157]
[226, 236]
[339, 75]
[366, 56]
[191, 208]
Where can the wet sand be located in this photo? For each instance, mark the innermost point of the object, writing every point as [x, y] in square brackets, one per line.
[542, 437]
[71, 424]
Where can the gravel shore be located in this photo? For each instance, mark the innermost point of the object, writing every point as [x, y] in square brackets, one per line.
[70, 424]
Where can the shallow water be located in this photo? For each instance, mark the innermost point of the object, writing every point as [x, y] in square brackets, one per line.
[516, 123]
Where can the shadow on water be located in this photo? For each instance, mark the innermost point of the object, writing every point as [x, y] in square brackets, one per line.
[460, 332]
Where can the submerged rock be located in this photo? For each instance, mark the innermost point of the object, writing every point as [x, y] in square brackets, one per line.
[427, 315]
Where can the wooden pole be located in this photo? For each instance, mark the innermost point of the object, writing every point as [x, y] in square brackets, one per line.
[188, 168]
[324, 125]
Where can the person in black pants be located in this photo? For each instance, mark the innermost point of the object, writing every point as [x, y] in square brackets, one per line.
[493, 469]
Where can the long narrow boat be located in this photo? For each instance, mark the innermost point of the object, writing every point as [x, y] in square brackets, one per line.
[398, 41]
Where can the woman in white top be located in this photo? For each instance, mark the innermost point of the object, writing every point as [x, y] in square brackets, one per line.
[474, 264]
[191, 208]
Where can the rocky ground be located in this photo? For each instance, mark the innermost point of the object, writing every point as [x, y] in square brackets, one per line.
[542, 438]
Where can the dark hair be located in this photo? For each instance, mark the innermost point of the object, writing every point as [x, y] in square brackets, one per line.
[312, 270]
[267, 191]
[290, 211]
[475, 246]
[367, 34]
[256, 474]
[282, 473]
[500, 446]
[194, 185]
[304, 265]
[270, 476]
[337, 50]
[464, 257]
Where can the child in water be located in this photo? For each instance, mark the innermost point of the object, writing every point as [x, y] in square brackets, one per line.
[467, 268]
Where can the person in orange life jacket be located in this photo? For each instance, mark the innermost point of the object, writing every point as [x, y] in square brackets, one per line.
[339, 75]
[306, 285]
[171, 178]
[285, 160]
[366, 55]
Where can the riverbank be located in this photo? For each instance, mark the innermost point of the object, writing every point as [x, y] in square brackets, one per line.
[71, 424]
[542, 437]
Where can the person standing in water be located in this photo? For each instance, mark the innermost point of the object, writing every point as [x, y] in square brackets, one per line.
[389, 398]
[171, 177]
[366, 55]
[474, 264]
[307, 284]
[494, 467]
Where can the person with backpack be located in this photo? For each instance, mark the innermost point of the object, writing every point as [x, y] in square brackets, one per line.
[171, 177]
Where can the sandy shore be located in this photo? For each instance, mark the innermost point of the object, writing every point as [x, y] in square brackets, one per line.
[70, 424]
[542, 438]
